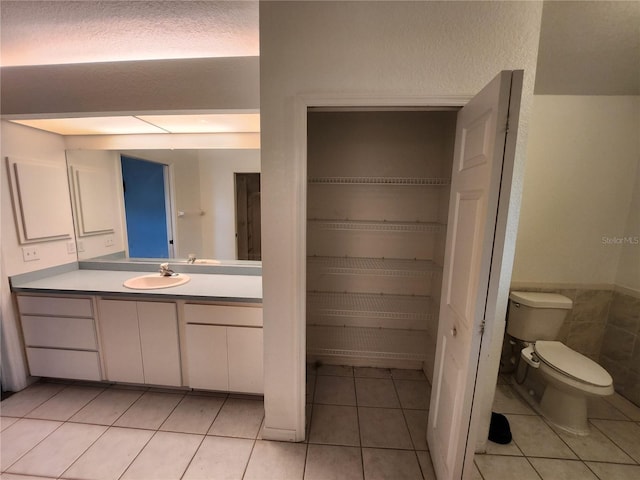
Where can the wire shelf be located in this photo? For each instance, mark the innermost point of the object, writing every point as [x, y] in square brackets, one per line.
[392, 267]
[367, 342]
[379, 181]
[373, 226]
[369, 305]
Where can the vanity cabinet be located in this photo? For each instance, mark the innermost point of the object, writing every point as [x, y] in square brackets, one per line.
[224, 348]
[60, 336]
[140, 342]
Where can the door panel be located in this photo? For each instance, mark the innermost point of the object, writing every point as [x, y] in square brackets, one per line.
[475, 189]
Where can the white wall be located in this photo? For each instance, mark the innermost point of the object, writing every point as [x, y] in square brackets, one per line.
[27, 143]
[376, 49]
[581, 166]
[217, 193]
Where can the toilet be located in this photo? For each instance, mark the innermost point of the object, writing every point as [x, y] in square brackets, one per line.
[570, 378]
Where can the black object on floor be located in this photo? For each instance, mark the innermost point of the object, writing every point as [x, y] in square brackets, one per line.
[499, 431]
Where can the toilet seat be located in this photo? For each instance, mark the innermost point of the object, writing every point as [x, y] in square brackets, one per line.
[571, 363]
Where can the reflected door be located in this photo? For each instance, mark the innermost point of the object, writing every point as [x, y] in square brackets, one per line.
[144, 185]
[248, 226]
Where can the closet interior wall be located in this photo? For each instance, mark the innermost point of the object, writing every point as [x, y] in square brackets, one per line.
[377, 207]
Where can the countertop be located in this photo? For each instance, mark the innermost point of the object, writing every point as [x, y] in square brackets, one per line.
[204, 287]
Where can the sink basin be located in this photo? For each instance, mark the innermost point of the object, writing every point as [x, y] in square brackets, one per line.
[149, 282]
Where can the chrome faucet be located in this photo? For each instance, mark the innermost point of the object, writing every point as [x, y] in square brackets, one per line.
[192, 258]
[165, 271]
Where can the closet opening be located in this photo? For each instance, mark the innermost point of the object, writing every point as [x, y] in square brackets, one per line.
[377, 205]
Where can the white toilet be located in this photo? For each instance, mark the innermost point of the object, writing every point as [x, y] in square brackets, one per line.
[535, 318]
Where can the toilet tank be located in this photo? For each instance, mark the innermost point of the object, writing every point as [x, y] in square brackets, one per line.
[536, 315]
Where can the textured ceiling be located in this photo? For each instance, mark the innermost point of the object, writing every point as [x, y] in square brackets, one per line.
[55, 32]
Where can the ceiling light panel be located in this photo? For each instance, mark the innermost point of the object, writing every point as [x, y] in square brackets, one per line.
[93, 125]
[210, 123]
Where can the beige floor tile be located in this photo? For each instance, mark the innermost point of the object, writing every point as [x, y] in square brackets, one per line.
[107, 407]
[510, 448]
[59, 450]
[11, 476]
[66, 403]
[595, 447]
[221, 458]
[149, 411]
[338, 370]
[406, 374]
[376, 392]
[21, 437]
[417, 422]
[165, 457]
[276, 460]
[553, 469]
[386, 464]
[599, 408]
[110, 455]
[7, 422]
[625, 406]
[334, 390]
[238, 418]
[328, 462]
[536, 439]
[193, 415]
[371, 372]
[506, 400]
[414, 394]
[426, 465]
[21, 403]
[499, 467]
[383, 428]
[624, 434]
[334, 425]
[475, 473]
[613, 471]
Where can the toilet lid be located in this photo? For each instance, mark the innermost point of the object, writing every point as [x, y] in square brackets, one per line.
[572, 363]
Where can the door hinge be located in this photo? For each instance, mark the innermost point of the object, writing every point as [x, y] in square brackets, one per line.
[482, 327]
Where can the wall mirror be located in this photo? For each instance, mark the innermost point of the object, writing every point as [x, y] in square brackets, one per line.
[206, 200]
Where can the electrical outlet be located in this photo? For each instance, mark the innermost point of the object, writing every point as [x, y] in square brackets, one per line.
[30, 254]
[108, 241]
[71, 247]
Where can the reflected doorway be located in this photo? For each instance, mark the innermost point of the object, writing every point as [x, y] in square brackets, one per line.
[248, 226]
[145, 186]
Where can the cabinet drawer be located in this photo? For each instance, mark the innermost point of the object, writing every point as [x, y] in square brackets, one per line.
[48, 362]
[60, 332]
[63, 307]
[223, 315]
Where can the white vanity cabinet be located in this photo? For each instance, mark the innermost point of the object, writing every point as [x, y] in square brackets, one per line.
[224, 347]
[60, 336]
[140, 341]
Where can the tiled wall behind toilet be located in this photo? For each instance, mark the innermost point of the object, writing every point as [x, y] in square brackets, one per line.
[604, 325]
[620, 352]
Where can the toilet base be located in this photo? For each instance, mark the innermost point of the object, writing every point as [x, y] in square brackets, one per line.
[564, 410]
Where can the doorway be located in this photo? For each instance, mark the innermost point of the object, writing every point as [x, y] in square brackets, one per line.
[248, 224]
[145, 187]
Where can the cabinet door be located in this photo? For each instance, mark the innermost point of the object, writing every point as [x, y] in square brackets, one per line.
[207, 357]
[121, 341]
[245, 359]
[158, 323]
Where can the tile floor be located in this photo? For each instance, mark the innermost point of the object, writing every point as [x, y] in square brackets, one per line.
[362, 423]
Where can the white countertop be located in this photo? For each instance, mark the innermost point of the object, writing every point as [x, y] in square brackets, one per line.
[213, 287]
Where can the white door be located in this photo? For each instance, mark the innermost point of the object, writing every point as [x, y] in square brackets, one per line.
[481, 133]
